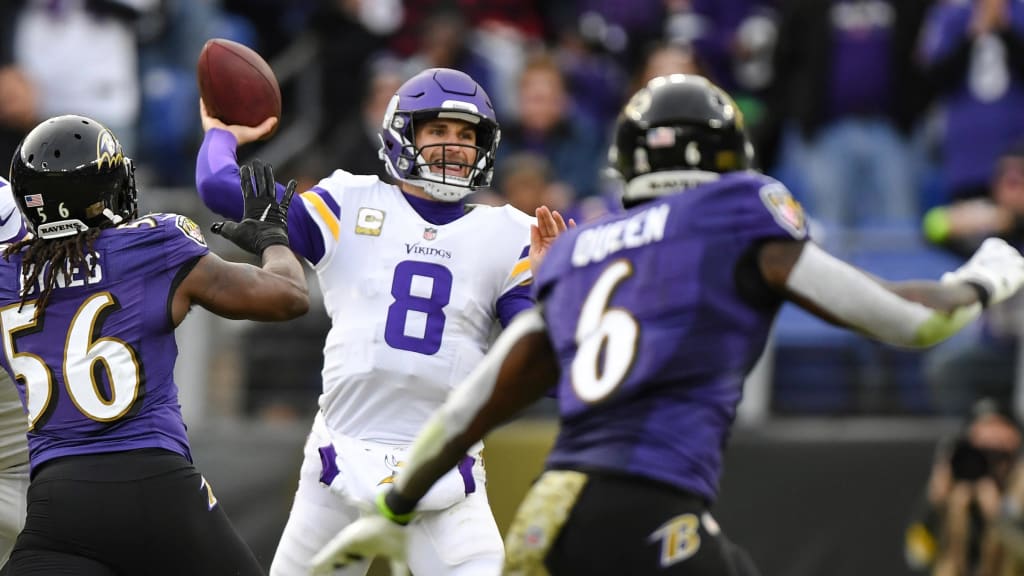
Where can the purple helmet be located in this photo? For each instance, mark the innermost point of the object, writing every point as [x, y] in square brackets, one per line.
[439, 93]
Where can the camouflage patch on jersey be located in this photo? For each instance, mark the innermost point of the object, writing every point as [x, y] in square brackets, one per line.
[786, 211]
[369, 221]
[540, 519]
[190, 229]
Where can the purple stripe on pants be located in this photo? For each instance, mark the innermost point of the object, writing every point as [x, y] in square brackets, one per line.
[466, 469]
[328, 464]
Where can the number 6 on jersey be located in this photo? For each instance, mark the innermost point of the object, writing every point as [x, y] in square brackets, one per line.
[606, 338]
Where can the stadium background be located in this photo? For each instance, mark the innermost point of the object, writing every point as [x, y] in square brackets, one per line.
[835, 435]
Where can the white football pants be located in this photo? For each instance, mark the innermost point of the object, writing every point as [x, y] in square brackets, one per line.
[462, 540]
[13, 491]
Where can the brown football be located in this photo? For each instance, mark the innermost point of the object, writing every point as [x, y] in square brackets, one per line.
[236, 84]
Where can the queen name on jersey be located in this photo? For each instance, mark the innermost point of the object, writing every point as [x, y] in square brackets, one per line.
[679, 336]
[642, 228]
[108, 344]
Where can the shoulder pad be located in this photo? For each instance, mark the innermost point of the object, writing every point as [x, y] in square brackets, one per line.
[787, 212]
[340, 181]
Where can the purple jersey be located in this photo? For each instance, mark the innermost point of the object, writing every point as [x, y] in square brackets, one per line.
[95, 370]
[652, 335]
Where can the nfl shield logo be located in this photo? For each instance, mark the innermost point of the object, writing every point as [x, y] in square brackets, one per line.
[429, 233]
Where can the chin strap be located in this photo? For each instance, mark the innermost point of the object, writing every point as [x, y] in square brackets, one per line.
[114, 218]
[442, 192]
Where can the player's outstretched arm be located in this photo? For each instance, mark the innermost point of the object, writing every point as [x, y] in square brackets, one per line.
[278, 290]
[217, 165]
[520, 368]
[274, 292]
[914, 314]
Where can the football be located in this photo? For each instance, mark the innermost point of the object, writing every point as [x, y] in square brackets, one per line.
[236, 84]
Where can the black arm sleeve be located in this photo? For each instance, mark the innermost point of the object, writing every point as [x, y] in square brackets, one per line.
[750, 284]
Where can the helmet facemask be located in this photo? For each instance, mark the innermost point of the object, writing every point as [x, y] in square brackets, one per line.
[447, 171]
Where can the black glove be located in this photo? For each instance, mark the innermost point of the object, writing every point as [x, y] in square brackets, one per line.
[265, 221]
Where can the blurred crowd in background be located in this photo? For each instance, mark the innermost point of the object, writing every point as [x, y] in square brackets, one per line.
[898, 123]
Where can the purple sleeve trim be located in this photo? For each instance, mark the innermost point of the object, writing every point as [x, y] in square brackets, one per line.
[513, 302]
[331, 202]
[303, 233]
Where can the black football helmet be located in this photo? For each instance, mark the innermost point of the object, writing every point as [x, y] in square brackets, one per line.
[677, 132]
[69, 174]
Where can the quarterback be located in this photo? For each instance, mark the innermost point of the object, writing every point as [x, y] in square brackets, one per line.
[415, 281]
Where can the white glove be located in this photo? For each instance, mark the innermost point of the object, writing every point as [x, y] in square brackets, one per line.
[370, 536]
[996, 266]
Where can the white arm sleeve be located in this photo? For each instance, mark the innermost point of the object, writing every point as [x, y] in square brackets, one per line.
[466, 400]
[862, 303]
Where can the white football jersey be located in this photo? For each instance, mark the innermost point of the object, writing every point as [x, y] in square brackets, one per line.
[12, 228]
[13, 424]
[412, 304]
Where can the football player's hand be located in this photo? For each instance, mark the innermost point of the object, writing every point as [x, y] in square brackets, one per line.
[265, 221]
[996, 267]
[375, 534]
[242, 134]
[549, 225]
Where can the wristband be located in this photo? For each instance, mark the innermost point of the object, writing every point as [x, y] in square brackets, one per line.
[395, 507]
[268, 239]
[936, 225]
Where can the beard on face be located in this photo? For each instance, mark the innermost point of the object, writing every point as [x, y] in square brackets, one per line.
[454, 162]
